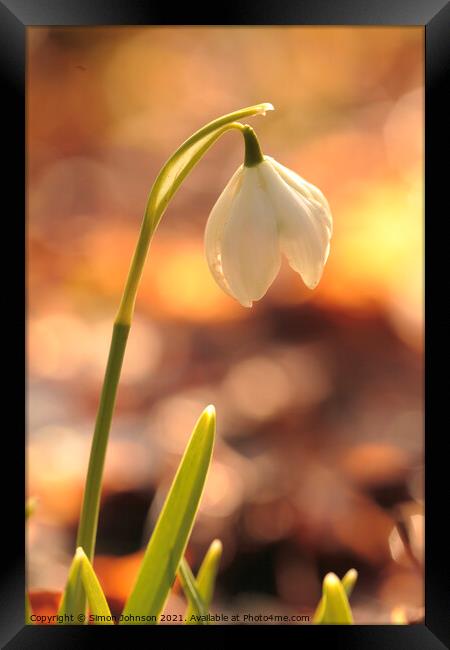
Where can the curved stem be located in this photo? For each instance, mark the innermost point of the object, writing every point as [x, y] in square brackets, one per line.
[162, 192]
[166, 184]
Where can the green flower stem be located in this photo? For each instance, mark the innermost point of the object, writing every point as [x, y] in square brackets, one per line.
[166, 184]
[87, 530]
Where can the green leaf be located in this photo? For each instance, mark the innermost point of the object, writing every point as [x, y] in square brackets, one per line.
[82, 569]
[318, 614]
[170, 536]
[348, 582]
[98, 605]
[206, 578]
[28, 610]
[191, 591]
[30, 507]
[334, 607]
[69, 597]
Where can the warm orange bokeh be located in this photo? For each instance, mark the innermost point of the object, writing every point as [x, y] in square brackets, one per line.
[318, 394]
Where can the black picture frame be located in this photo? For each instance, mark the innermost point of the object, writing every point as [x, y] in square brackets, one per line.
[15, 17]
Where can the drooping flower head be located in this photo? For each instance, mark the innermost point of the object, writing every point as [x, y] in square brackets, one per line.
[264, 211]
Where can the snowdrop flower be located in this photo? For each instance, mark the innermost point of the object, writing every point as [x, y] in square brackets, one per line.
[266, 210]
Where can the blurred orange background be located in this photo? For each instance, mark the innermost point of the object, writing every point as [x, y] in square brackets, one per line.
[319, 394]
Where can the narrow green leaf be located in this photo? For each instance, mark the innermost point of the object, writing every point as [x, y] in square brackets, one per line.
[69, 597]
[81, 569]
[348, 582]
[206, 578]
[98, 605]
[30, 507]
[317, 618]
[336, 609]
[190, 589]
[28, 610]
[170, 536]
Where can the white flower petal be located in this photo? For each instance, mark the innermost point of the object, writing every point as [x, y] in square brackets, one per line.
[214, 229]
[303, 225]
[305, 188]
[250, 252]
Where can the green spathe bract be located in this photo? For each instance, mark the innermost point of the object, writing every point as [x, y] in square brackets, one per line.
[170, 536]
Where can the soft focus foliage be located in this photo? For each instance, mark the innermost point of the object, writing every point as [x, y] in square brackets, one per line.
[318, 394]
[169, 539]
